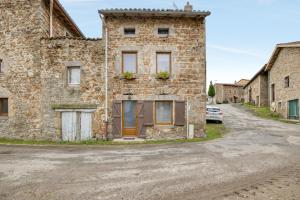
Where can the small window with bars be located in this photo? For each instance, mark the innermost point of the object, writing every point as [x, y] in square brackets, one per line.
[287, 82]
[163, 31]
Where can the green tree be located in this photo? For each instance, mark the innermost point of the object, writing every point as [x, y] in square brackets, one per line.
[211, 90]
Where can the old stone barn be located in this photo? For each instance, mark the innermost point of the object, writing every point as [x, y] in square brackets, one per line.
[145, 78]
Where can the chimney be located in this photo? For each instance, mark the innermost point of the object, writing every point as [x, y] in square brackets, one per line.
[188, 7]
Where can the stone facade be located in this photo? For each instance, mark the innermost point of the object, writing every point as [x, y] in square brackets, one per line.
[22, 26]
[230, 93]
[188, 70]
[285, 64]
[256, 91]
[35, 77]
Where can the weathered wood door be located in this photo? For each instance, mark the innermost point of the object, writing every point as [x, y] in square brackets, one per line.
[129, 118]
[86, 126]
[69, 126]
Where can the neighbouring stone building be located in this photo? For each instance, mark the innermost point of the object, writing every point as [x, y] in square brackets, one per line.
[52, 78]
[284, 80]
[230, 92]
[256, 90]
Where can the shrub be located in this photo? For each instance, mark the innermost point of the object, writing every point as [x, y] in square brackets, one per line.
[128, 75]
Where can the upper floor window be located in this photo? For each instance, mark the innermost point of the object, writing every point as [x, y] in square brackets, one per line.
[163, 31]
[129, 31]
[74, 75]
[3, 106]
[163, 62]
[129, 62]
[287, 82]
[1, 65]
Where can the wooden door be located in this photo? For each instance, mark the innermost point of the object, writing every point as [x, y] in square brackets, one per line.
[86, 126]
[129, 118]
[294, 109]
[69, 126]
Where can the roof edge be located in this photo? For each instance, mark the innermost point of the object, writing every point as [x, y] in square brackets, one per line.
[256, 75]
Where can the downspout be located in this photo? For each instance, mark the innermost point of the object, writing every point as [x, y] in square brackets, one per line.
[51, 18]
[106, 77]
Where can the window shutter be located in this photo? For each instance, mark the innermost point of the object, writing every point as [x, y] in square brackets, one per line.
[140, 113]
[116, 119]
[148, 113]
[179, 113]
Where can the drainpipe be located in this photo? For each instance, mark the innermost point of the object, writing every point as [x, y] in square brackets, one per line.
[51, 18]
[106, 76]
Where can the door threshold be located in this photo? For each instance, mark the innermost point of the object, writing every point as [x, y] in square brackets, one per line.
[129, 139]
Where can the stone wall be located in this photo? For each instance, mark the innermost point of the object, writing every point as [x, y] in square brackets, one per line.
[22, 24]
[20, 51]
[287, 64]
[188, 76]
[229, 93]
[57, 55]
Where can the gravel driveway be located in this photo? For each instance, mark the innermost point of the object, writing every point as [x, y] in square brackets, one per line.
[258, 159]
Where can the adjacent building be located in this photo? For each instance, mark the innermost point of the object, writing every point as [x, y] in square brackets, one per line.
[284, 80]
[230, 92]
[57, 84]
[256, 90]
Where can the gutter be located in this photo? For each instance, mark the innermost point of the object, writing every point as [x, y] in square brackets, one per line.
[106, 75]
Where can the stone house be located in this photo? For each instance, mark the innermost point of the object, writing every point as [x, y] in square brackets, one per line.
[256, 90]
[230, 92]
[284, 80]
[56, 84]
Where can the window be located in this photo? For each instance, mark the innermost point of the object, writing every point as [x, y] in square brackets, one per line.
[164, 112]
[129, 62]
[3, 106]
[287, 82]
[273, 92]
[1, 65]
[73, 75]
[129, 31]
[163, 31]
[163, 62]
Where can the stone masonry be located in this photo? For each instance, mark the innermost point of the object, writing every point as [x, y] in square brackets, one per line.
[35, 68]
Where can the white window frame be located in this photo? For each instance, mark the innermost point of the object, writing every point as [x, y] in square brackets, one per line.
[69, 68]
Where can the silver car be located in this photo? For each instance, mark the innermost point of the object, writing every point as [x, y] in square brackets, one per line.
[214, 113]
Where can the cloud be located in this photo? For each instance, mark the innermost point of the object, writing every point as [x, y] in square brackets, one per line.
[234, 50]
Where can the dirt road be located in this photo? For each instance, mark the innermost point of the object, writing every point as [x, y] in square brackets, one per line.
[258, 159]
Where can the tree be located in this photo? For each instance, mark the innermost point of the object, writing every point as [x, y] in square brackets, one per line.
[211, 90]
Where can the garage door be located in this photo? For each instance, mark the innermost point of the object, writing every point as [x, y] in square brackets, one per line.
[69, 123]
[86, 126]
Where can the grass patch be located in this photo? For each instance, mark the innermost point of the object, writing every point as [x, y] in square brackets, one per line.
[213, 131]
[263, 112]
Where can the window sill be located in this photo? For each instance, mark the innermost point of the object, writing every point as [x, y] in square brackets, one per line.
[157, 126]
[163, 35]
[3, 117]
[121, 77]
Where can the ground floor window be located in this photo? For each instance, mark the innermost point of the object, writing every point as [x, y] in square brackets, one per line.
[3, 106]
[164, 112]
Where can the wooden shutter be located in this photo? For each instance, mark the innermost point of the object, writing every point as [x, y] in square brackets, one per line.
[116, 119]
[148, 113]
[140, 115]
[179, 113]
[86, 126]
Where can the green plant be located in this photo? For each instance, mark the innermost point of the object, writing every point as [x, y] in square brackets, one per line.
[163, 75]
[128, 75]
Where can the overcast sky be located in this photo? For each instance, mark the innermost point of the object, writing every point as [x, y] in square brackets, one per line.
[241, 34]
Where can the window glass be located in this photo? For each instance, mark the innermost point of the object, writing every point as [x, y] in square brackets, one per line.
[287, 81]
[4, 106]
[1, 66]
[164, 112]
[74, 75]
[163, 62]
[129, 31]
[163, 31]
[129, 62]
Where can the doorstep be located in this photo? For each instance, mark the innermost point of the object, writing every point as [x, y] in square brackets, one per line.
[129, 139]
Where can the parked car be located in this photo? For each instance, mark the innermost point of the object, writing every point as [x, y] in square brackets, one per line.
[214, 113]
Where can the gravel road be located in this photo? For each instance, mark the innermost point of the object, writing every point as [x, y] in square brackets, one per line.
[258, 159]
